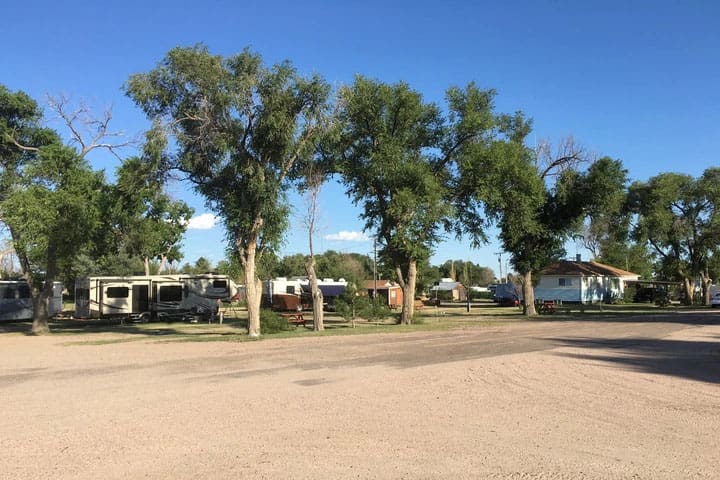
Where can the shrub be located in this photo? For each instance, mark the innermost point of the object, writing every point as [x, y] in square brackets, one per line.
[271, 322]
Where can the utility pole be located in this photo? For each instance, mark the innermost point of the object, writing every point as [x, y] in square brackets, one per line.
[499, 254]
[468, 274]
[374, 269]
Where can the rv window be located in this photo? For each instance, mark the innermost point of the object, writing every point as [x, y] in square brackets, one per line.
[170, 293]
[290, 289]
[117, 292]
[18, 290]
[220, 284]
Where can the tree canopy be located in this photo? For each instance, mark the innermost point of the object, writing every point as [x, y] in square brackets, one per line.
[241, 130]
[677, 216]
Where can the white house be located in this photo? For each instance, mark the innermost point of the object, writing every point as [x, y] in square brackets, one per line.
[581, 282]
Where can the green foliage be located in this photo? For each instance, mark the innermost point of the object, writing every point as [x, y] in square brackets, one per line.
[243, 134]
[362, 306]
[467, 272]
[385, 132]
[400, 158]
[241, 130]
[272, 322]
[53, 207]
[145, 221]
[677, 215]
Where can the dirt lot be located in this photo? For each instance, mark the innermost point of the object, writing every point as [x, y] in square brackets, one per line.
[632, 398]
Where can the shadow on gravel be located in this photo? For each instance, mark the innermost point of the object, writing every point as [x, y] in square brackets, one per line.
[694, 360]
[683, 317]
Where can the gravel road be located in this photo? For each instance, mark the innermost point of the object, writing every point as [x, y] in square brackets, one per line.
[637, 398]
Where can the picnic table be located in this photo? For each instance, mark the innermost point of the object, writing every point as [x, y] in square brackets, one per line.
[296, 318]
[547, 307]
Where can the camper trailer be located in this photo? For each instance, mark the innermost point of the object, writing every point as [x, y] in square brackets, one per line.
[284, 294]
[155, 297]
[293, 294]
[16, 301]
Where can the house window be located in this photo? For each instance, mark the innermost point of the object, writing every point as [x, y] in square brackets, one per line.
[565, 282]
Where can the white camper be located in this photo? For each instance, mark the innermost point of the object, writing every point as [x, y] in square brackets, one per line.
[161, 297]
[16, 301]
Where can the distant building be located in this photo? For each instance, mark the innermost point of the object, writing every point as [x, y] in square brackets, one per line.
[582, 282]
[449, 290]
[391, 292]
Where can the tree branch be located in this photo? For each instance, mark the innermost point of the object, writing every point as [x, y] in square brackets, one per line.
[81, 116]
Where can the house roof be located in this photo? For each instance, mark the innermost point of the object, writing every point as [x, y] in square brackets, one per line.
[447, 286]
[579, 269]
[381, 284]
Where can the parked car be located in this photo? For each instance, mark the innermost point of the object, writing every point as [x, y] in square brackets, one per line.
[715, 300]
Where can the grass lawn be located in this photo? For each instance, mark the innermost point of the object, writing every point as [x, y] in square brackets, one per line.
[446, 316]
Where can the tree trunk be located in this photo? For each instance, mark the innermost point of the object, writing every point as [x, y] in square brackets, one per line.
[706, 282]
[317, 296]
[408, 287]
[146, 264]
[163, 262]
[40, 299]
[253, 290]
[528, 295]
[689, 291]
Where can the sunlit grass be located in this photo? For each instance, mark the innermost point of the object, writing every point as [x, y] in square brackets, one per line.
[233, 328]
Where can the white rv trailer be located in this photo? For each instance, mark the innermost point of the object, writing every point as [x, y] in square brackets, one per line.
[16, 301]
[150, 297]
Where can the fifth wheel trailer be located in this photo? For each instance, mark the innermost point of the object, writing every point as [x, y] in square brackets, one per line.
[16, 301]
[150, 297]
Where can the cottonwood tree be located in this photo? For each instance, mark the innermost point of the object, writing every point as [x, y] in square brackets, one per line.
[148, 223]
[49, 195]
[396, 156]
[241, 130]
[608, 238]
[677, 216]
[538, 198]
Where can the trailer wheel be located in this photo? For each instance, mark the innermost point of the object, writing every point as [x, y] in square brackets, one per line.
[145, 317]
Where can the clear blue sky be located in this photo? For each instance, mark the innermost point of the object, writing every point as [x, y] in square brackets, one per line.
[634, 80]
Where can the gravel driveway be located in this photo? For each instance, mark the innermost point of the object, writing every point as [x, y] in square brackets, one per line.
[633, 398]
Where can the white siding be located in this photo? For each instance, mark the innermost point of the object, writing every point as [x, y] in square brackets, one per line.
[580, 289]
[549, 288]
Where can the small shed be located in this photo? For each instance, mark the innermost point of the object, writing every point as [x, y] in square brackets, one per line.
[448, 289]
[391, 292]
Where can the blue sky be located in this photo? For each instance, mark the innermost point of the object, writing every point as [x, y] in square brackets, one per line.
[634, 80]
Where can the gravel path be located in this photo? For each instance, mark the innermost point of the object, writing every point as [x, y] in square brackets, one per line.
[532, 400]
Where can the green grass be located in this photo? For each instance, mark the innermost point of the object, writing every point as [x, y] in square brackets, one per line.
[445, 317]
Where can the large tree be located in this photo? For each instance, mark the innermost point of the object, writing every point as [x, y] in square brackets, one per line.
[397, 156]
[539, 198]
[49, 196]
[148, 223]
[678, 217]
[241, 131]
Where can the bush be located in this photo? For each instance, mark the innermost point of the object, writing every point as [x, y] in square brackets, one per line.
[364, 307]
[271, 322]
